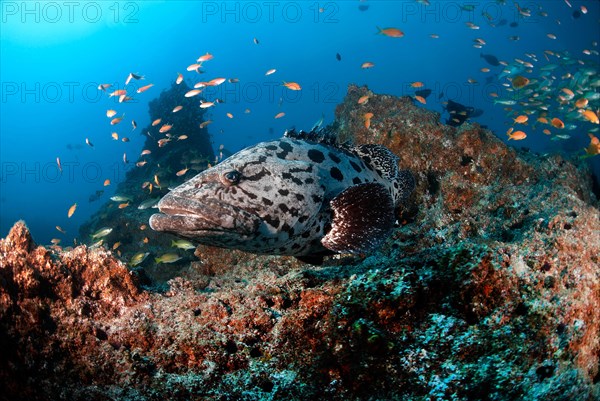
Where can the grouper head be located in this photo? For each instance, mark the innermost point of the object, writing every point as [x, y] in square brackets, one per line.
[235, 204]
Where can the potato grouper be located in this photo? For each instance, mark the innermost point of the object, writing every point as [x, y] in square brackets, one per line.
[302, 195]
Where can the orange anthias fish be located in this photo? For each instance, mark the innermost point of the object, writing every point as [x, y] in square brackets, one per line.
[421, 99]
[519, 82]
[581, 103]
[367, 117]
[111, 113]
[417, 84]
[194, 67]
[521, 119]
[179, 78]
[117, 120]
[163, 142]
[165, 128]
[367, 64]
[124, 98]
[594, 147]
[569, 93]
[590, 116]
[144, 88]
[192, 92]
[204, 58]
[118, 92]
[279, 115]
[156, 122]
[215, 82]
[517, 135]
[390, 32]
[557, 123]
[292, 85]
[363, 99]
[71, 210]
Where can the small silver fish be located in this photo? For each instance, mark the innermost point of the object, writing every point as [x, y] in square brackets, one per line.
[148, 203]
[182, 244]
[120, 198]
[168, 258]
[138, 258]
[103, 232]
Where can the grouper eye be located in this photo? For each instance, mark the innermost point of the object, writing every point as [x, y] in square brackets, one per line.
[232, 177]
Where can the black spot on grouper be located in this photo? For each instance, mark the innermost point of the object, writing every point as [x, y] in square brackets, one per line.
[316, 156]
[336, 174]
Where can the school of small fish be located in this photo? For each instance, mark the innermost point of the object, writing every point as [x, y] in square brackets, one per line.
[554, 93]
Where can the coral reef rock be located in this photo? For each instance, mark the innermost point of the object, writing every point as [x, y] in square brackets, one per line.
[489, 289]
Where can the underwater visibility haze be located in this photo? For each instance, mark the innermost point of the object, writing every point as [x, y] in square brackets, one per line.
[300, 200]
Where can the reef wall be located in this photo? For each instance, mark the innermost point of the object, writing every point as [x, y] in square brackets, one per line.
[489, 289]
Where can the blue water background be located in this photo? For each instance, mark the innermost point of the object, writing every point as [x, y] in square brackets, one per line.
[54, 54]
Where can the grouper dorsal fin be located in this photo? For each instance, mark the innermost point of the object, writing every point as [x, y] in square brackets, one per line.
[404, 185]
[325, 135]
[383, 161]
[363, 217]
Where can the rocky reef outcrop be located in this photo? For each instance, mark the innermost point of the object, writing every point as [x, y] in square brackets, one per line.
[488, 289]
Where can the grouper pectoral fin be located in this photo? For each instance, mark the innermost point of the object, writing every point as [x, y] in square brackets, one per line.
[363, 217]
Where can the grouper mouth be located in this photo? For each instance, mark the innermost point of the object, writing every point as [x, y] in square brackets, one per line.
[189, 217]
